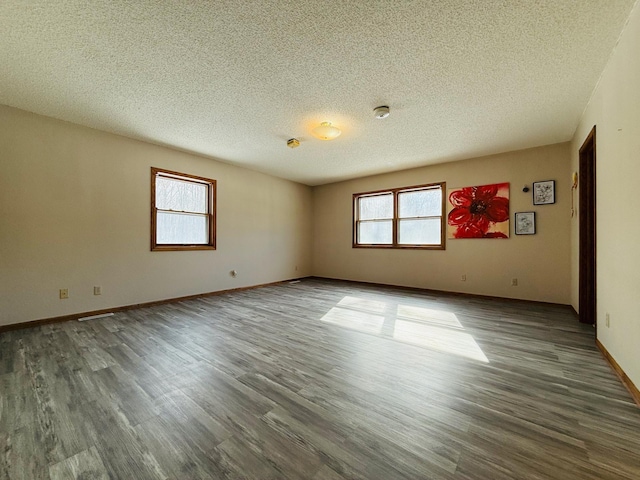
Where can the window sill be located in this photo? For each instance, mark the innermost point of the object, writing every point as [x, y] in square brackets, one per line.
[175, 248]
[403, 247]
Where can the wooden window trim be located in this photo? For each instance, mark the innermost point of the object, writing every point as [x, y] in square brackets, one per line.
[396, 219]
[211, 211]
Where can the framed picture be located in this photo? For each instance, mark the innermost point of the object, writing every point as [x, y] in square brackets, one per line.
[481, 211]
[544, 193]
[525, 223]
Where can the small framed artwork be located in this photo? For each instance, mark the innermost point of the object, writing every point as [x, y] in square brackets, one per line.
[525, 223]
[544, 193]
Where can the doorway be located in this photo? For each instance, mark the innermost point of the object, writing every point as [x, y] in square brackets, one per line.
[587, 241]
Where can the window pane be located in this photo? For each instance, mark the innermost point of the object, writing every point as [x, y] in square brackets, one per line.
[377, 206]
[419, 232]
[420, 203]
[179, 228]
[375, 232]
[172, 194]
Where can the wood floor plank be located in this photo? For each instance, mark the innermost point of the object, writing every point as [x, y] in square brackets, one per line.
[22, 457]
[325, 473]
[323, 380]
[62, 429]
[11, 352]
[177, 453]
[123, 453]
[192, 421]
[124, 394]
[239, 462]
[86, 465]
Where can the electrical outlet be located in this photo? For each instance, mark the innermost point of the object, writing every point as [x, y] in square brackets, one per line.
[514, 282]
[463, 277]
[296, 268]
[97, 290]
[607, 320]
[64, 293]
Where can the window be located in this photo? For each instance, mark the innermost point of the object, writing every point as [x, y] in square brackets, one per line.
[183, 209]
[410, 217]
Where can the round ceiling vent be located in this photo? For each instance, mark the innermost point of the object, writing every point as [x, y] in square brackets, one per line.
[381, 111]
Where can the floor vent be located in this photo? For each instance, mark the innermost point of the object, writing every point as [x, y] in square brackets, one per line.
[93, 317]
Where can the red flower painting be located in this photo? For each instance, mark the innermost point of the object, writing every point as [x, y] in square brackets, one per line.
[479, 212]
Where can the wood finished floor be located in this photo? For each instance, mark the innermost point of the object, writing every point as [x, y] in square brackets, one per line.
[280, 383]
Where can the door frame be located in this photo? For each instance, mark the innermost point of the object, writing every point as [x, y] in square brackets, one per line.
[587, 288]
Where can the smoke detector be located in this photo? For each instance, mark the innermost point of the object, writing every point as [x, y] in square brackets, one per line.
[381, 111]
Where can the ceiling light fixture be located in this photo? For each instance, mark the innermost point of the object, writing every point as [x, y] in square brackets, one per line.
[326, 131]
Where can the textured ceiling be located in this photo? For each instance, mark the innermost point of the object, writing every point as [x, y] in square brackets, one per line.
[234, 80]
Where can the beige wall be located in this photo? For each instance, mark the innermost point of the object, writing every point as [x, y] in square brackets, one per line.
[615, 110]
[540, 262]
[74, 213]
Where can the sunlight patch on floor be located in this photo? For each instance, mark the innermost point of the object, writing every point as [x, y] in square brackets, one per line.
[364, 304]
[438, 338]
[439, 317]
[361, 321]
[438, 330]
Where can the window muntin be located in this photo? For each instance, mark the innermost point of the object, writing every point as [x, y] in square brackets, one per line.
[410, 217]
[182, 211]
